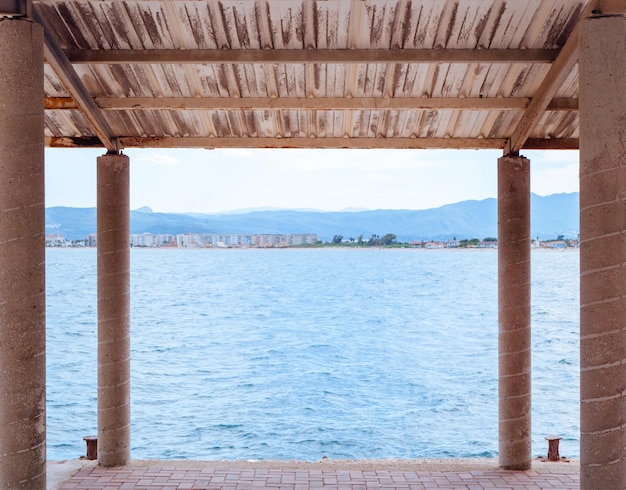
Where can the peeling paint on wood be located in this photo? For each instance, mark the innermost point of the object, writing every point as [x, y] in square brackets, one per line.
[310, 24]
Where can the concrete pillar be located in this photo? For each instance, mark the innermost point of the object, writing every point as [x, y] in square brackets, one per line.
[602, 82]
[514, 428]
[22, 258]
[113, 244]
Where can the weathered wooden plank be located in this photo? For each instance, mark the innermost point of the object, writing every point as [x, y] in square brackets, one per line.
[306, 142]
[309, 103]
[343, 56]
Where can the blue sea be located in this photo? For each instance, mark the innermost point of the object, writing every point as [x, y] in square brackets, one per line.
[304, 353]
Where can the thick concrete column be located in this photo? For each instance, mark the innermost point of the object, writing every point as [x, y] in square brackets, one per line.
[602, 82]
[113, 243]
[514, 428]
[22, 258]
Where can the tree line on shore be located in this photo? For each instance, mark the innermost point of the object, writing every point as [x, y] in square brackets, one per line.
[390, 240]
[374, 241]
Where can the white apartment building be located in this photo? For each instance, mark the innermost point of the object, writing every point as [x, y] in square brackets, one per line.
[302, 239]
[90, 240]
[150, 240]
[221, 240]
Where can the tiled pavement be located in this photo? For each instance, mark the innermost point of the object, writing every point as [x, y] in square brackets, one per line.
[166, 476]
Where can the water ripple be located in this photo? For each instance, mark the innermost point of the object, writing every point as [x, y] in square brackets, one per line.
[297, 354]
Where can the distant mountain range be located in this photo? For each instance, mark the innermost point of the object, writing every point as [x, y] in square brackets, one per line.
[551, 216]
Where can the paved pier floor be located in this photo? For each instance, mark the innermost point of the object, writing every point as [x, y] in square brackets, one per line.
[329, 474]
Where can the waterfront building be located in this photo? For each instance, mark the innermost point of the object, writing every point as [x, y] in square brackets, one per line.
[433, 245]
[55, 240]
[221, 240]
[302, 239]
[91, 240]
[143, 240]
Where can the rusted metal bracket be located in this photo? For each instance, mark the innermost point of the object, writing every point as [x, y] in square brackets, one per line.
[608, 7]
[16, 8]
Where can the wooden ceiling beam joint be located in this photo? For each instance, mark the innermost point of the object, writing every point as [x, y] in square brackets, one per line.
[558, 72]
[55, 57]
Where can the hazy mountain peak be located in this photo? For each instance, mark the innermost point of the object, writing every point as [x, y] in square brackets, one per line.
[557, 214]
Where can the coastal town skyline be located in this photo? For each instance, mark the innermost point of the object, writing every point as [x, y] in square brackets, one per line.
[203, 181]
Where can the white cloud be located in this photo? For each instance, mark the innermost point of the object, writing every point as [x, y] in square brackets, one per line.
[554, 171]
[237, 152]
[342, 159]
[218, 180]
[161, 159]
[554, 157]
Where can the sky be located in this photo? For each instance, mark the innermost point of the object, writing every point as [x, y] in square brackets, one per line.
[213, 181]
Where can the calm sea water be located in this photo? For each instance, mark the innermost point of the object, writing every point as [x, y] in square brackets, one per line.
[300, 354]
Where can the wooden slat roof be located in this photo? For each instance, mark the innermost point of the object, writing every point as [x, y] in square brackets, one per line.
[313, 74]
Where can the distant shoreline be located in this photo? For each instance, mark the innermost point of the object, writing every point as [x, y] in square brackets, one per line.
[412, 249]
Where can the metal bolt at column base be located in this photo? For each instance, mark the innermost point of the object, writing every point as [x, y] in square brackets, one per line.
[553, 448]
[92, 447]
